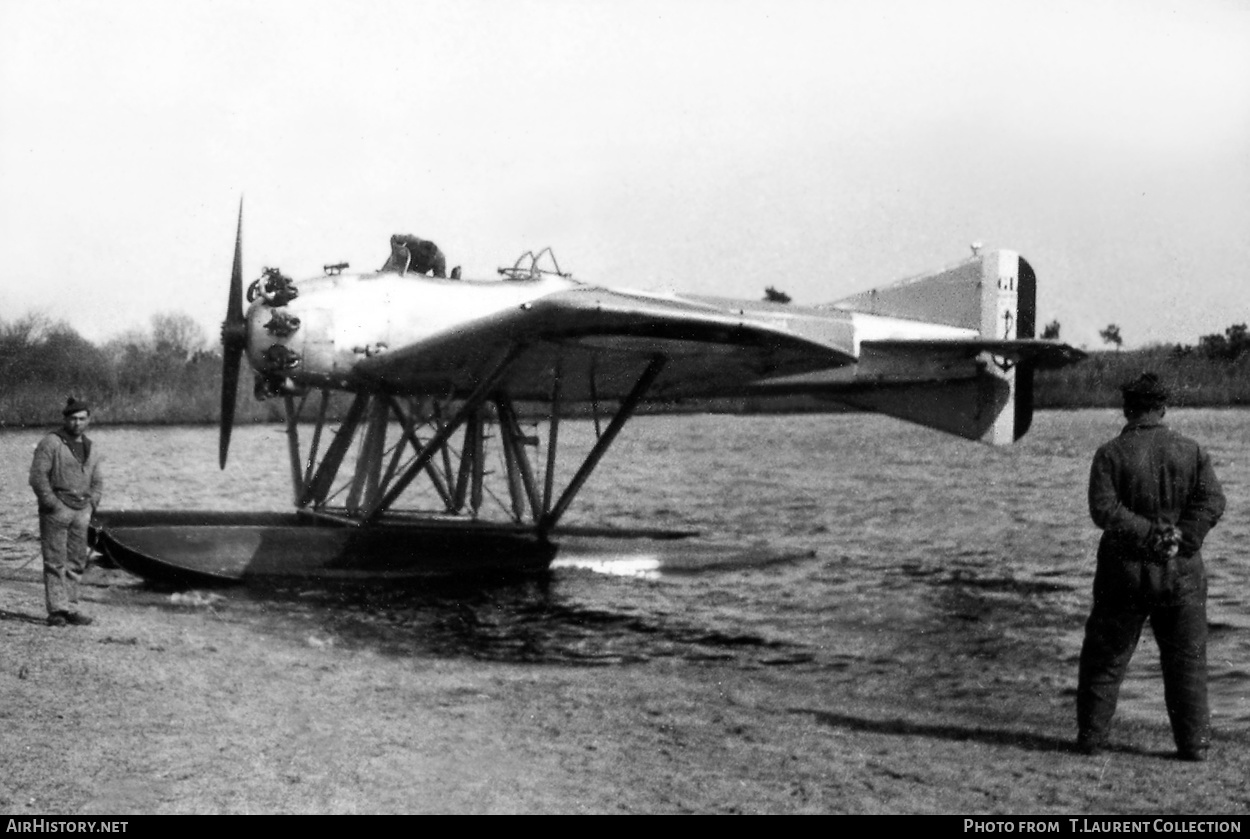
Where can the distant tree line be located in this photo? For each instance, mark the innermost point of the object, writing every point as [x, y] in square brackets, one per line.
[1230, 346]
[1233, 345]
[166, 373]
[171, 373]
[1214, 372]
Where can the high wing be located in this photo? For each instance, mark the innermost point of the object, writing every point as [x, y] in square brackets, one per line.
[600, 339]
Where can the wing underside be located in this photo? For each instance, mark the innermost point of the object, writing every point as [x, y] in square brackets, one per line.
[598, 342]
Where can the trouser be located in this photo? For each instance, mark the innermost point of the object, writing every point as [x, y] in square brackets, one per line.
[63, 538]
[1179, 624]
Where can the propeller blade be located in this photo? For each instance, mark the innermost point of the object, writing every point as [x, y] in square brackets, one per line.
[234, 306]
[229, 387]
[233, 342]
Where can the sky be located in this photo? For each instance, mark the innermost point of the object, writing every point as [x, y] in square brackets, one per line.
[702, 146]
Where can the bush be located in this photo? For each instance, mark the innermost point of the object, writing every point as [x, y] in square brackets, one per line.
[1194, 377]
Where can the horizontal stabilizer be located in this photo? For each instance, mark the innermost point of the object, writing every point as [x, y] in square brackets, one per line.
[1036, 352]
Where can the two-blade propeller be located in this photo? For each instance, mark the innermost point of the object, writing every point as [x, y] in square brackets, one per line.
[233, 342]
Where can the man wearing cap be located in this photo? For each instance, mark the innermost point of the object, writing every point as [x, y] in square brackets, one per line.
[66, 478]
[1155, 496]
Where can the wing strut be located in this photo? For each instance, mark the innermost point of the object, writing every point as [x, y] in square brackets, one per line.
[552, 516]
[594, 396]
[553, 433]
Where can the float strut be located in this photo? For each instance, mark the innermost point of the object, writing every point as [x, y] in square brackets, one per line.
[366, 483]
[292, 445]
[466, 466]
[475, 400]
[316, 490]
[438, 423]
[316, 440]
[519, 465]
[410, 434]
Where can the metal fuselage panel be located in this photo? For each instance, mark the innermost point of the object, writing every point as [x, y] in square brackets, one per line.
[347, 318]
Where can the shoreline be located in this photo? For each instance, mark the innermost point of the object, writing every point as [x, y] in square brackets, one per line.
[229, 703]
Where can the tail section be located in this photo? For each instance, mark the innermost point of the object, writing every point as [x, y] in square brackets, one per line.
[952, 350]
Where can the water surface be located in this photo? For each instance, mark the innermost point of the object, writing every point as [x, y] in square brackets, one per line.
[915, 546]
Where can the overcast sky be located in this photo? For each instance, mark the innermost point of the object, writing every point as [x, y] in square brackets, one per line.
[709, 146]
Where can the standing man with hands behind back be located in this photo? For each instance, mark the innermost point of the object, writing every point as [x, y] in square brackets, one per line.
[1155, 496]
[66, 478]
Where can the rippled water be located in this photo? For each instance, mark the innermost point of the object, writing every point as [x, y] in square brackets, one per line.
[923, 544]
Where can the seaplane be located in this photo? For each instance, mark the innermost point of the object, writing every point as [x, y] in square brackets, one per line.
[444, 454]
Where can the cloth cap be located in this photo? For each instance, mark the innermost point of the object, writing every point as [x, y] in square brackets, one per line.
[73, 406]
[1146, 390]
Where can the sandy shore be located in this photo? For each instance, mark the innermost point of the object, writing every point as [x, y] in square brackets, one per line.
[195, 703]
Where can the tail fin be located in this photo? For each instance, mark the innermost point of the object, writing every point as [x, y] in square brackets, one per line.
[976, 383]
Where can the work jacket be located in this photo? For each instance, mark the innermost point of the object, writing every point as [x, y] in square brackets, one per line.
[1149, 476]
[56, 474]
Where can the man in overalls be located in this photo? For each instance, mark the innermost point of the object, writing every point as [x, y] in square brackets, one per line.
[417, 256]
[1155, 496]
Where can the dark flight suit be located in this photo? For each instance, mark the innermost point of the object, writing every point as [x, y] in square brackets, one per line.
[423, 256]
[1148, 476]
